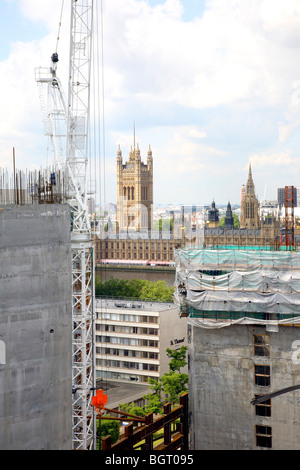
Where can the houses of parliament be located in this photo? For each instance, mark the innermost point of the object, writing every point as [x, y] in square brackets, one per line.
[133, 238]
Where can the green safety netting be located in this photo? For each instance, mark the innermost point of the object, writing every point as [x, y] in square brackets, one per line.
[244, 283]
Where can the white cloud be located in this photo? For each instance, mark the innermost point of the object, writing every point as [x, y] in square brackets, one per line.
[177, 78]
[272, 159]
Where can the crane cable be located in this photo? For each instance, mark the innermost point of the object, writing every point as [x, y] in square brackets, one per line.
[99, 159]
[59, 25]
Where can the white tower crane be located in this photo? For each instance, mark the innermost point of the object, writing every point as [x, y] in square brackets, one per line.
[73, 156]
[54, 111]
[82, 246]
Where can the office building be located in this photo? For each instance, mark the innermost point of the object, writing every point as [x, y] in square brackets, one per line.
[132, 338]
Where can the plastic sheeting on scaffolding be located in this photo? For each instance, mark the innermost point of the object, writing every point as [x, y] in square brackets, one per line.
[271, 324]
[227, 259]
[252, 282]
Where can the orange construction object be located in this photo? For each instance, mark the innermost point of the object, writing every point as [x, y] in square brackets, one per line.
[99, 401]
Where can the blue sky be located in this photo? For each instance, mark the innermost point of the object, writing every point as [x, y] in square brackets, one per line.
[212, 86]
[15, 27]
[191, 8]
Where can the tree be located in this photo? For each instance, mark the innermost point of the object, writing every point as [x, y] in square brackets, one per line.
[236, 221]
[109, 428]
[163, 225]
[159, 291]
[135, 289]
[178, 358]
[168, 387]
[133, 409]
[174, 384]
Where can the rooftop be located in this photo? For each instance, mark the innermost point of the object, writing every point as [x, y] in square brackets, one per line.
[133, 304]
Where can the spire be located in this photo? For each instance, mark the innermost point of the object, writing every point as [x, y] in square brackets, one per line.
[119, 154]
[137, 152]
[131, 154]
[250, 184]
[229, 221]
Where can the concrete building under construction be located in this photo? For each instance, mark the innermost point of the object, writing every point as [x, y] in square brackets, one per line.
[35, 321]
[243, 315]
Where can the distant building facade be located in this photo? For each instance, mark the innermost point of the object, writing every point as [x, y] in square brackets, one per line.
[281, 197]
[134, 239]
[132, 338]
[253, 229]
[134, 191]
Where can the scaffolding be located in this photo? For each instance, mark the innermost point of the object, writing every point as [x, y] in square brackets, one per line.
[216, 288]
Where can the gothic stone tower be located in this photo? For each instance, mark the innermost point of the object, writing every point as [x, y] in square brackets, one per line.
[134, 191]
[250, 206]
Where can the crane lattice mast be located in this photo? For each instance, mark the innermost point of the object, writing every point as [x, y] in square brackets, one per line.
[82, 246]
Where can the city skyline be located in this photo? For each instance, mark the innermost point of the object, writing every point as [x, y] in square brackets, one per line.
[212, 86]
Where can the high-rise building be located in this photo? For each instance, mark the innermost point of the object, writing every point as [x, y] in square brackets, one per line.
[281, 197]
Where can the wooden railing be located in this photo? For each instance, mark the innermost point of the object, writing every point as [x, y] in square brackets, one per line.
[175, 441]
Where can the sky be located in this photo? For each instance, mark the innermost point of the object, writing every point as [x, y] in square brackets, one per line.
[211, 85]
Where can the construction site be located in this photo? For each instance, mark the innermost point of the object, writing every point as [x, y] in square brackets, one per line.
[241, 304]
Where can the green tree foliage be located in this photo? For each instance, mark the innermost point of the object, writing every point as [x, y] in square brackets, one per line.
[172, 384]
[178, 358]
[133, 409]
[236, 221]
[134, 289]
[109, 428]
[163, 225]
[158, 290]
[168, 387]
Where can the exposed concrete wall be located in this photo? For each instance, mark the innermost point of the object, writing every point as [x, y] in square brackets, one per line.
[35, 328]
[221, 383]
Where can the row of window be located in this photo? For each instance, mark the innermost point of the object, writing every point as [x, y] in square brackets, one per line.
[127, 353]
[125, 317]
[127, 330]
[128, 193]
[262, 377]
[127, 365]
[122, 376]
[140, 256]
[127, 341]
[154, 246]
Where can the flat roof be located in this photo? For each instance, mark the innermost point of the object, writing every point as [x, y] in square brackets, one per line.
[121, 392]
[118, 303]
